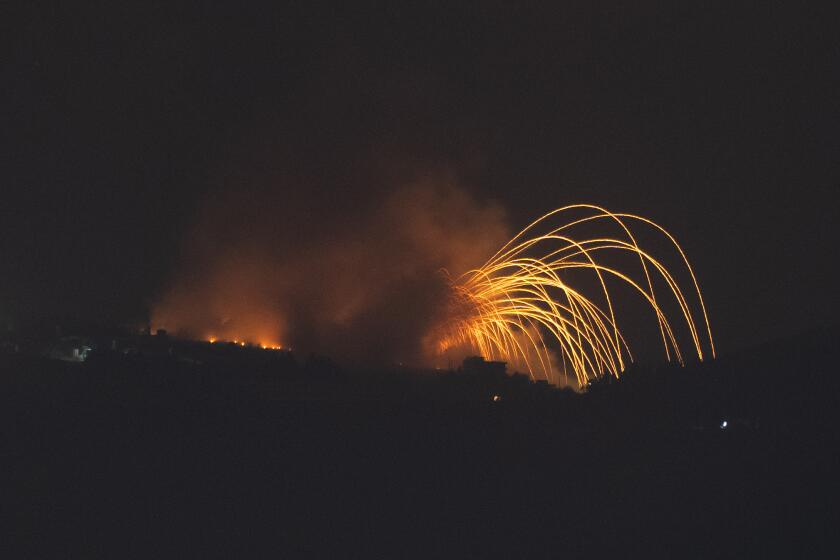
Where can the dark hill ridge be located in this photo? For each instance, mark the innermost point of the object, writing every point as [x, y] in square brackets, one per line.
[132, 456]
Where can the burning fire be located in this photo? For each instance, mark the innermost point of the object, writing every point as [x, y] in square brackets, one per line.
[547, 302]
[242, 343]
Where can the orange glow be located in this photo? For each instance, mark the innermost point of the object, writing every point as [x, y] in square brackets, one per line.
[246, 274]
[243, 343]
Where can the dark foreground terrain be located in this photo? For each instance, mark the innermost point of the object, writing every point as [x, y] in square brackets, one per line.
[136, 457]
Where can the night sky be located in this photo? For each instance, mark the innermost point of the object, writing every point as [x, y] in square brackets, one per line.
[120, 122]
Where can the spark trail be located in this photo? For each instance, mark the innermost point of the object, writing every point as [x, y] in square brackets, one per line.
[525, 305]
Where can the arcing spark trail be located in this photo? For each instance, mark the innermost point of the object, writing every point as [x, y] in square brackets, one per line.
[521, 307]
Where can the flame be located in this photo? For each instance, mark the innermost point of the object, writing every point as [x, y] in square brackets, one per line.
[338, 287]
[243, 343]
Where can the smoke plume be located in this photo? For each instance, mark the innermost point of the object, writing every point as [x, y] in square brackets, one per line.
[359, 281]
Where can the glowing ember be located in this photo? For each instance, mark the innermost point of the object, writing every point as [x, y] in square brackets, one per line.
[242, 343]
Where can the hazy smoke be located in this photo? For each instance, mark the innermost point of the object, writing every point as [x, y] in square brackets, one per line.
[358, 282]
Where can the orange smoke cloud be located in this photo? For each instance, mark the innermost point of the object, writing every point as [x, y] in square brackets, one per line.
[358, 284]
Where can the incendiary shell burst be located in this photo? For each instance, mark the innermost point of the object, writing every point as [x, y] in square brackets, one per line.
[523, 305]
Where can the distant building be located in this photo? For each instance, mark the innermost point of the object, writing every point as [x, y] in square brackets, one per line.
[70, 349]
[477, 365]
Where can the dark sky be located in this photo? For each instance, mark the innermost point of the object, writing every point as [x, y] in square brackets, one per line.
[119, 121]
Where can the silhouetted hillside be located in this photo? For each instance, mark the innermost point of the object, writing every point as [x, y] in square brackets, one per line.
[132, 455]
